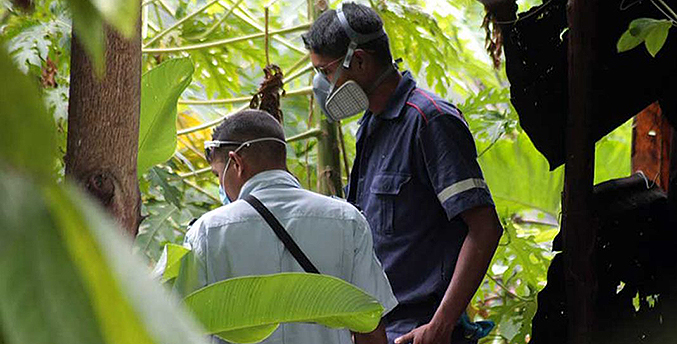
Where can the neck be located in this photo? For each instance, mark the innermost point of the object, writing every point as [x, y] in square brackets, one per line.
[381, 95]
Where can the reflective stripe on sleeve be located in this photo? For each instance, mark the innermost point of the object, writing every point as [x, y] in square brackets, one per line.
[461, 186]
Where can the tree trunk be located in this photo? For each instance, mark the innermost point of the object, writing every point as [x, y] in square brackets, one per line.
[103, 126]
[578, 228]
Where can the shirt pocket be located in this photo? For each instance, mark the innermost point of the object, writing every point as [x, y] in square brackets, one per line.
[385, 188]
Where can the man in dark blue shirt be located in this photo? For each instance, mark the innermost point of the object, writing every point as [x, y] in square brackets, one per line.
[415, 176]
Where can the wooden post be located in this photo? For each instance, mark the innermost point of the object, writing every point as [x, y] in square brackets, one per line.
[328, 154]
[578, 228]
[651, 141]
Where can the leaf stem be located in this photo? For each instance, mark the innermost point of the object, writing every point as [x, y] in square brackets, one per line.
[223, 41]
[201, 190]
[221, 20]
[315, 132]
[210, 123]
[301, 91]
[179, 22]
[247, 18]
[507, 291]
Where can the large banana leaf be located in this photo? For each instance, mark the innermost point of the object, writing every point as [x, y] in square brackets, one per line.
[161, 87]
[249, 309]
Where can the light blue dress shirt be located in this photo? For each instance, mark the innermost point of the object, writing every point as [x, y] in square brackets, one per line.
[234, 240]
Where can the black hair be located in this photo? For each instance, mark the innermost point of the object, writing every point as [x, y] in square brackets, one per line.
[249, 125]
[326, 36]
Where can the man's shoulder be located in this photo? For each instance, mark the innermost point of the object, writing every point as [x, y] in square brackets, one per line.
[331, 205]
[431, 105]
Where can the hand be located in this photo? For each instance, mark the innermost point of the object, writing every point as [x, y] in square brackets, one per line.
[429, 333]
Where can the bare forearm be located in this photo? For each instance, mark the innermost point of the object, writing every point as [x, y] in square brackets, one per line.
[471, 266]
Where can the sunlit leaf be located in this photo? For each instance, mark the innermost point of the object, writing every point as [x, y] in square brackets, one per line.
[170, 263]
[227, 308]
[657, 37]
[161, 87]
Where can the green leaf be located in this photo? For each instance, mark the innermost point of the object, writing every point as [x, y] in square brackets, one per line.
[227, 308]
[652, 32]
[161, 88]
[613, 154]
[170, 263]
[627, 42]
[657, 37]
[536, 187]
[27, 133]
[161, 177]
[67, 275]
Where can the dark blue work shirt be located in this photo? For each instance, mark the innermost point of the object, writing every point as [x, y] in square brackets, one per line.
[415, 171]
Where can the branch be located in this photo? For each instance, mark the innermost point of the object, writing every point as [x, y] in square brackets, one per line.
[507, 291]
[211, 123]
[220, 21]
[179, 22]
[195, 173]
[297, 74]
[223, 41]
[247, 18]
[315, 132]
[198, 188]
[301, 91]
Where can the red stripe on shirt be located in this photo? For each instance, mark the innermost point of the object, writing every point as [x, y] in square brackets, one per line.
[419, 111]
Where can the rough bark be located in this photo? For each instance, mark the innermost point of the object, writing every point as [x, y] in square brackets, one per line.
[103, 126]
[578, 227]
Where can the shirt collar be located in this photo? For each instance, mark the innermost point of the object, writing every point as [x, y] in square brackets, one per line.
[398, 99]
[266, 179]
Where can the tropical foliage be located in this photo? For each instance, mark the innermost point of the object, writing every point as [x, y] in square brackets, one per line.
[216, 49]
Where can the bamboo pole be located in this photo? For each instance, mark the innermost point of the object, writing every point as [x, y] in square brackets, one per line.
[328, 154]
[578, 229]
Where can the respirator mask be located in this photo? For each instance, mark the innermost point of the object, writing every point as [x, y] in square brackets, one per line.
[349, 99]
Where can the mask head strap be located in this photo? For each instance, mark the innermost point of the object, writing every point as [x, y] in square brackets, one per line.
[356, 38]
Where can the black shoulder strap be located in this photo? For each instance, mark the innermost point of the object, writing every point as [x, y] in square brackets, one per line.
[282, 234]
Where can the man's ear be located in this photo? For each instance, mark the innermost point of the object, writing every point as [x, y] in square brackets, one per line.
[359, 59]
[238, 163]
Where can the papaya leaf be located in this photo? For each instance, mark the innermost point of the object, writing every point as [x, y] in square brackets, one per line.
[161, 88]
[227, 308]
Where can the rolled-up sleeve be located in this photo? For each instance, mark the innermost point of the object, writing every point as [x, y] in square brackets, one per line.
[368, 273]
[451, 163]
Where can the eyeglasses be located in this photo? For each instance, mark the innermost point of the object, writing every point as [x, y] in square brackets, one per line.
[323, 69]
[211, 145]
